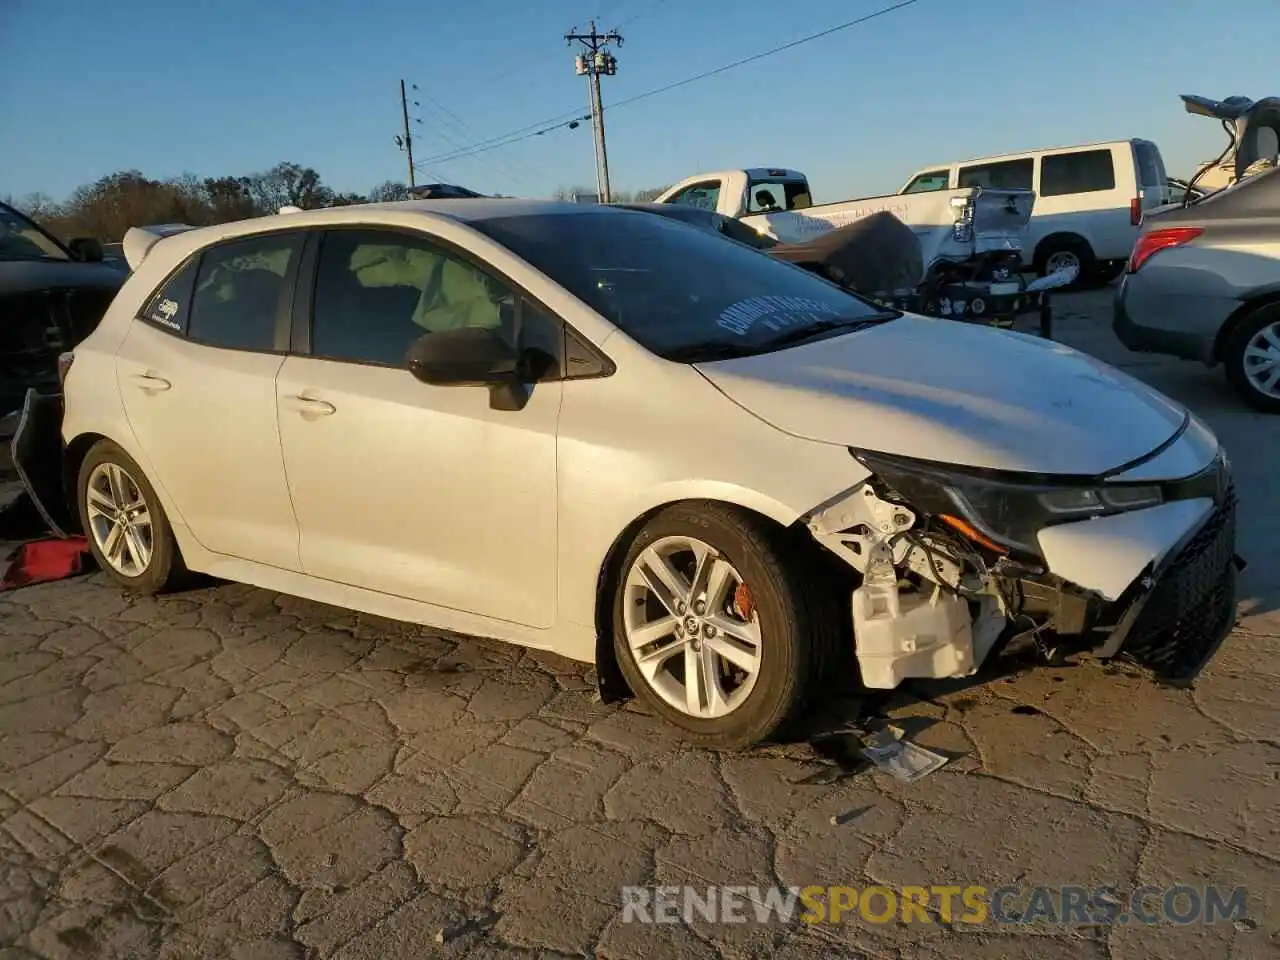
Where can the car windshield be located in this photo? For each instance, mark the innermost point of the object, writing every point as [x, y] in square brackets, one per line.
[681, 292]
[21, 239]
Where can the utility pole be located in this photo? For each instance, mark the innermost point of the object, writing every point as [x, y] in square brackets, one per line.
[595, 63]
[405, 142]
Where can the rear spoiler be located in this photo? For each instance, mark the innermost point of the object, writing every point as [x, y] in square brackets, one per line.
[138, 241]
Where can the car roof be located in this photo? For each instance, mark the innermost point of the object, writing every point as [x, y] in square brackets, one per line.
[1019, 154]
[462, 209]
[139, 241]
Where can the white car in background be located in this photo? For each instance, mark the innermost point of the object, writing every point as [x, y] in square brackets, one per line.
[613, 436]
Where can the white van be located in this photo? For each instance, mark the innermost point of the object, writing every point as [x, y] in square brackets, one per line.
[1089, 199]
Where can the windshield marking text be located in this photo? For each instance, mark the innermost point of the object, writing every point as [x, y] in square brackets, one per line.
[781, 312]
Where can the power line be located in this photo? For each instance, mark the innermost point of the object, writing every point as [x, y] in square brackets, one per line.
[644, 12]
[460, 124]
[760, 56]
[572, 121]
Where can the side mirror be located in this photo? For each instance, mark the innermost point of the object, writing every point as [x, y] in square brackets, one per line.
[86, 249]
[469, 357]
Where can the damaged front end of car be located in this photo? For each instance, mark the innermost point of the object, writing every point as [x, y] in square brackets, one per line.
[957, 562]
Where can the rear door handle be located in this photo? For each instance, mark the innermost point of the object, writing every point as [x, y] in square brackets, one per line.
[149, 382]
[309, 407]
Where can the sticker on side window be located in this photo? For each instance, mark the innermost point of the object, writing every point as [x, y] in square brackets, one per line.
[775, 313]
[164, 313]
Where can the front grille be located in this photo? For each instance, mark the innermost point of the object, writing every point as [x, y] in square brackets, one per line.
[1192, 605]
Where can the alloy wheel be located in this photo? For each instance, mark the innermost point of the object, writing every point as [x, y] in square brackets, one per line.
[119, 519]
[1061, 260]
[1262, 361]
[691, 627]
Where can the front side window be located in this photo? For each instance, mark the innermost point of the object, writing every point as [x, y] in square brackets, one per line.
[170, 306]
[1088, 171]
[1000, 175]
[929, 182]
[241, 289]
[704, 196]
[378, 291]
[680, 292]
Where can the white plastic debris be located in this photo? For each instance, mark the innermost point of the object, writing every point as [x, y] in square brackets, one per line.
[901, 758]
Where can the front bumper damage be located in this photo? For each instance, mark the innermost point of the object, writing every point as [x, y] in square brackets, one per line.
[1155, 587]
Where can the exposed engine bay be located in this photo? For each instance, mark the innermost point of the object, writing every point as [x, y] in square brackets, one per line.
[940, 591]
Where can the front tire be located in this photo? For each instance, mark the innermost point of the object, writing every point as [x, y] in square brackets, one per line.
[714, 627]
[1252, 357]
[124, 522]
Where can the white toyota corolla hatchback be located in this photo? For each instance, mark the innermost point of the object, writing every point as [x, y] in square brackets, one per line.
[613, 436]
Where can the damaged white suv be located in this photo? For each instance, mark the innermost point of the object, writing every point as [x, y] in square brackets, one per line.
[622, 439]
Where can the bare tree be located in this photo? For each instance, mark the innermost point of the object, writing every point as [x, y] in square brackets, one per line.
[38, 206]
[387, 191]
[289, 184]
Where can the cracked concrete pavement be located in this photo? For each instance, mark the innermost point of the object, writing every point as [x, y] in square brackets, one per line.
[232, 773]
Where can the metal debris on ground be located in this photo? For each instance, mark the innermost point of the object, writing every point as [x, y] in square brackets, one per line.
[901, 758]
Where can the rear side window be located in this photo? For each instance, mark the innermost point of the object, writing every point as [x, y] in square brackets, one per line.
[241, 290]
[1150, 165]
[1088, 171]
[1000, 175]
[170, 306]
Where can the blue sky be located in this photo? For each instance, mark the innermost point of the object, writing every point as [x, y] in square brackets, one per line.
[234, 86]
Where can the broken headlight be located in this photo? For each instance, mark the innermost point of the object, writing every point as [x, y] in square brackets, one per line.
[1000, 510]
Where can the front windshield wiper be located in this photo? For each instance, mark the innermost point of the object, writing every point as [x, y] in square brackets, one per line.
[816, 329]
[708, 350]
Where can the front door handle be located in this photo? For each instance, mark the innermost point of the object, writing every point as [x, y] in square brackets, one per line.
[309, 407]
[149, 382]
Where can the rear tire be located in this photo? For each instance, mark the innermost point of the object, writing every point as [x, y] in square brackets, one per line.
[735, 575]
[124, 522]
[1066, 251]
[1252, 359]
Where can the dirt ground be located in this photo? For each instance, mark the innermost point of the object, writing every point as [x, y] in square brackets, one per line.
[230, 773]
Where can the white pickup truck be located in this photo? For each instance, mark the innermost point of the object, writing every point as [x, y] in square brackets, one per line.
[971, 238]
[952, 225]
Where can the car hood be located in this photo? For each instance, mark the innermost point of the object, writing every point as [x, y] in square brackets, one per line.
[25, 276]
[955, 393]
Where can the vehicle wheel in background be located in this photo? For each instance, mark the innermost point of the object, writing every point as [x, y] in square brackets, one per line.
[1252, 356]
[1061, 252]
[124, 522]
[715, 625]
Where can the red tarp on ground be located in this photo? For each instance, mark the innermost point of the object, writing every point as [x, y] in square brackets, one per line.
[43, 560]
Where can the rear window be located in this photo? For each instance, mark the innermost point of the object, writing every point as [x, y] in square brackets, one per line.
[770, 196]
[1087, 171]
[1151, 171]
[1000, 175]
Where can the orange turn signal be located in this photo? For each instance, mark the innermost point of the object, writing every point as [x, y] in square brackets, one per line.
[967, 530]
